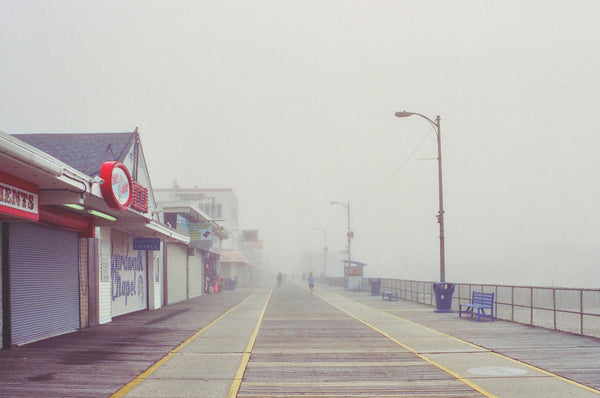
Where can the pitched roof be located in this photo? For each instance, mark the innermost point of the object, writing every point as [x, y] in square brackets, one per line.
[84, 152]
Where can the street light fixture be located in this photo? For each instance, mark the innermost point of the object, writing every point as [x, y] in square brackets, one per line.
[440, 216]
[349, 234]
[324, 249]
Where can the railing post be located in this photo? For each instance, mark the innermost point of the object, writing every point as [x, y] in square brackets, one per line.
[554, 305]
[531, 306]
[512, 303]
[581, 311]
[496, 309]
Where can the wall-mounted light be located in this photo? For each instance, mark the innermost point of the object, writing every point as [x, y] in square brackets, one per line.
[101, 215]
[90, 211]
[74, 206]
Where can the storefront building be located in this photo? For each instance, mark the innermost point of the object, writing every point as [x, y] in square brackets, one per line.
[81, 237]
[41, 245]
[192, 270]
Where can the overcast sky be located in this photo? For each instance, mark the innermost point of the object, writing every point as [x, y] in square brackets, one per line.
[291, 104]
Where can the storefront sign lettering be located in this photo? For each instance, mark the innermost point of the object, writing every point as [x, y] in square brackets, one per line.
[146, 244]
[128, 287]
[18, 197]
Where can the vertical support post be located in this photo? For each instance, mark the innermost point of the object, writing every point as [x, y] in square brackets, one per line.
[441, 201]
[581, 311]
[554, 305]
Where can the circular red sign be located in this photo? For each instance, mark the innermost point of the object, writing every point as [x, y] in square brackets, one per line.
[117, 186]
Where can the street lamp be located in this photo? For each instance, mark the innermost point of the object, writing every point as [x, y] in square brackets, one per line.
[349, 234]
[440, 216]
[324, 249]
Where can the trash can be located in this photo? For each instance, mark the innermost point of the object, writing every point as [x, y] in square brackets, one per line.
[443, 296]
[229, 284]
[375, 284]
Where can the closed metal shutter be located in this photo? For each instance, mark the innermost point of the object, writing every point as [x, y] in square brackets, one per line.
[176, 273]
[196, 277]
[44, 282]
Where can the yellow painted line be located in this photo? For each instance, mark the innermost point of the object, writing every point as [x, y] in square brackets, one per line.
[145, 374]
[239, 375]
[532, 367]
[423, 357]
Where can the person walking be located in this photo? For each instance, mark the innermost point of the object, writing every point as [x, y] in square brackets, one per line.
[279, 279]
[311, 282]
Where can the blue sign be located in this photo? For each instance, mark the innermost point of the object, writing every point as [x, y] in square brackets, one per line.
[146, 244]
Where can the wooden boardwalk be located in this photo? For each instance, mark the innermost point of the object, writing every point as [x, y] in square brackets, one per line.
[306, 347]
[572, 356]
[96, 362]
[331, 344]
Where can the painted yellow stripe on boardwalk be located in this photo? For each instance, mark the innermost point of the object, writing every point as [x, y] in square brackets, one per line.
[239, 375]
[532, 367]
[423, 357]
[464, 380]
[145, 374]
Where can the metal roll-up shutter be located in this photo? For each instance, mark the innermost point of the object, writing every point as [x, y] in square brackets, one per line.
[196, 275]
[176, 273]
[44, 282]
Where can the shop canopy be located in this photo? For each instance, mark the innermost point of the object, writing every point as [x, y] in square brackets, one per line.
[234, 256]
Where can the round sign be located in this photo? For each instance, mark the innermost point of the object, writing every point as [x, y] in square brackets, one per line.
[117, 186]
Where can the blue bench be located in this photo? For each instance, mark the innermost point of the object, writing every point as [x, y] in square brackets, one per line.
[480, 302]
[389, 295]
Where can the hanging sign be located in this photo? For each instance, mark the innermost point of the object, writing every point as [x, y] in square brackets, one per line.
[146, 244]
[117, 187]
[200, 231]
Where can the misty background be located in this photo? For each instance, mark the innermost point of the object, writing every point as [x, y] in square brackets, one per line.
[291, 104]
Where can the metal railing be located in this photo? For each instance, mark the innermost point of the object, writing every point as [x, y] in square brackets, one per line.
[570, 310]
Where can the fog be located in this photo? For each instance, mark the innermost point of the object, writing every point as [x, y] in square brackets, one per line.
[291, 104]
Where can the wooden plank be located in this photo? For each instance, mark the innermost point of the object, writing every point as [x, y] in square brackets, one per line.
[307, 347]
[568, 355]
[96, 362]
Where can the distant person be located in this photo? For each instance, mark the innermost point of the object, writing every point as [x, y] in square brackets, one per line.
[311, 282]
[279, 279]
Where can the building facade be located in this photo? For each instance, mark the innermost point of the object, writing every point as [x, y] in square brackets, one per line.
[80, 232]
[237, 260]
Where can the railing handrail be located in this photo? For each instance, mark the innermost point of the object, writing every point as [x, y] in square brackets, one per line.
[573, 310]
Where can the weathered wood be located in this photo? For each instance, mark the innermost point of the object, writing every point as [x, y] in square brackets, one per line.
[98, 361]
[307, 347]
[568, 355]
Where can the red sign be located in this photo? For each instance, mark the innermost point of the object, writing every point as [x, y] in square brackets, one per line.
[18, 197]
[117, 186]
[140, 197]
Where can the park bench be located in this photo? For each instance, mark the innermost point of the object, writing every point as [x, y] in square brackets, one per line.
[479, 301]
[389, 295]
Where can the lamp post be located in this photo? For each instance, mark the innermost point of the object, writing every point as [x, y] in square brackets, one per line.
[440, 216]
[444, 302]
[324, 249]
[349, 234]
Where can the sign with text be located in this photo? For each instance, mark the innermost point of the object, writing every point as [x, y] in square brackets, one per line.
[200, 231]
[146, 244]
[18, 197]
